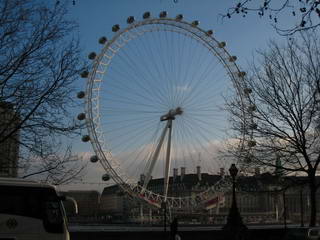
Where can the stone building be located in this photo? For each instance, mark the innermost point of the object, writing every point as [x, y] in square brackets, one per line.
[118, 204]
[266, 198]
[260, 200]
[114, 204]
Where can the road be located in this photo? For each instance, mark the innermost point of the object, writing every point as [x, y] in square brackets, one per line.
[139, 228]
[136, 232]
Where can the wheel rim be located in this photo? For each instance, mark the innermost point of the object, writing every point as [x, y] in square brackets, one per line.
[124, 116]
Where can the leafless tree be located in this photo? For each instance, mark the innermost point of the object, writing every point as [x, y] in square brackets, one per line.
[304, 14]
[58, 168]
[40, 60]
[283, 117]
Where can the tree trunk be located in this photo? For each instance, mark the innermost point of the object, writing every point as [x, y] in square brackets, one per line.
[313, 208]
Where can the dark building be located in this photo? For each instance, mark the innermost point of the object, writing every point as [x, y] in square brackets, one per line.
[9, 143]
[260, 199]
[115, 205]
[88, 205]
[118, 204]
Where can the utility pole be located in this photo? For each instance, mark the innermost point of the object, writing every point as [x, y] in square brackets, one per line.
[301, 208]
[284, 209]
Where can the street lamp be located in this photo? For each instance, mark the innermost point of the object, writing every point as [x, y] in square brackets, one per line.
[234, 227]
[301, 207]
[164, 209]
[284, 187]
[284, 208]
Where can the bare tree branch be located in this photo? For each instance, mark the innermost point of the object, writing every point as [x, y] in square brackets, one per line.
[40, 60]
[305, 14]
[284, 87]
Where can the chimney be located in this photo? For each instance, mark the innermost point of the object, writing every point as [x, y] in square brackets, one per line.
[175, 173]
[199, 173]
[222, 172]
[183, 172]
[142, 178]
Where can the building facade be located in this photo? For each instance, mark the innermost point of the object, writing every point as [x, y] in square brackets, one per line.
[9, 140]
[115, 205]
[88, 205]
[261, 200]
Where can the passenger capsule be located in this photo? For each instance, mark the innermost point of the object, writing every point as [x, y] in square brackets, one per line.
[179, 17]
[94, 159]
[92, 56]
[81, 116]
[146, 15]
[209, 32]
[105, 177]
[163, 14]
[241, 74]
[103, 40]
[84, 74]
[232, 58]
[116, 28]
[130, 19]
[195, 23]
[81, 94]
[222, 44]
[85, 138]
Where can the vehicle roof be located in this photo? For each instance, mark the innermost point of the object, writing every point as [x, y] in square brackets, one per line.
[23, 183]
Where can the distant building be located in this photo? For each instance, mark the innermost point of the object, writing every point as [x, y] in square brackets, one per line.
[259, 200]
[115, 205]
[9, 147]
[88, 205]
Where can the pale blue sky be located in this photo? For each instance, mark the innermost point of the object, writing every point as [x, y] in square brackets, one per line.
[243, 35]
[96, 18]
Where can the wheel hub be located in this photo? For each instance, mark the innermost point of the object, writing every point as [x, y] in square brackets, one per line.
[171, 114]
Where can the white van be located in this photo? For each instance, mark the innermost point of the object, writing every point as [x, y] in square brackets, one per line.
[30, 210]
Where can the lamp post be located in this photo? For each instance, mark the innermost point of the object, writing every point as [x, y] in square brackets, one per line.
[164, 209]
[234, 228]
[301, 207]
[284, 209]
[284, 188]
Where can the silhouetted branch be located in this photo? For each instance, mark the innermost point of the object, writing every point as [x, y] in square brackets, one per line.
[305, 13]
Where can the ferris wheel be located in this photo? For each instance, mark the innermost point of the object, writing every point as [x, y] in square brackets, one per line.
[155, 102]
